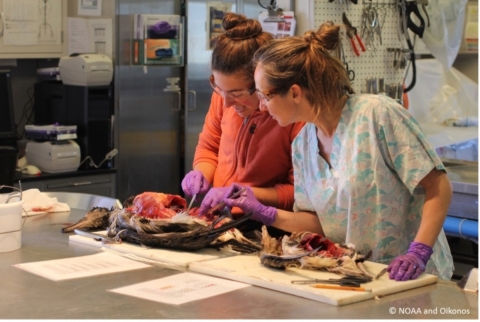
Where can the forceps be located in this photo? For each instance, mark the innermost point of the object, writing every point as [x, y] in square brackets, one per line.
[191, 202]
[341, 281]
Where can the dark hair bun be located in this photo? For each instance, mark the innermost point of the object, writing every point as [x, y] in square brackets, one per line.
[238, 27]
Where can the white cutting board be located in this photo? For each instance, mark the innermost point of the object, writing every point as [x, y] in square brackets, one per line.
[248, 269]
[163, 256]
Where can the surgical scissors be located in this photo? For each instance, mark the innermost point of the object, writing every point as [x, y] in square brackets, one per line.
[341, 281]
[350, 72]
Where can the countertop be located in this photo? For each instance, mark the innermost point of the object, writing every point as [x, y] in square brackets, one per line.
[28, 296]
[43, 176]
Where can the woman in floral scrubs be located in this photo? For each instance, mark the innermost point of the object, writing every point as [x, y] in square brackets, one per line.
[364, 171]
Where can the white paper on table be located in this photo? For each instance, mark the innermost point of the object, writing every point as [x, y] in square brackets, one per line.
[180, 288]
[82, 266]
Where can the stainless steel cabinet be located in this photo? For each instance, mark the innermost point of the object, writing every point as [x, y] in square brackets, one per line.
[98, 184]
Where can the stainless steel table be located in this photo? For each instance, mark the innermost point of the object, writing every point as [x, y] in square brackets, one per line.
[28, 296]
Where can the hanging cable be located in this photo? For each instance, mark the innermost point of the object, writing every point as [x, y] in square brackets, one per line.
[273, 4]
[108, 156]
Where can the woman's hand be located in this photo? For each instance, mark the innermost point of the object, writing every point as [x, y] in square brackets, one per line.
[194, 183]
[213, 198]
[412, 264]
[248, 203]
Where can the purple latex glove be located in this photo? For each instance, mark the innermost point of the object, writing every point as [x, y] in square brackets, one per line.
[248, 203]
[412, 264]
[194, 183]
[212, 198]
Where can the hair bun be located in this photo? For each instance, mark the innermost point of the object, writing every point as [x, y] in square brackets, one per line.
[327, 36]
[239, 27]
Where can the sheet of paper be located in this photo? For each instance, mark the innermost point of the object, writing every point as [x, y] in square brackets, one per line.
[32, 22]
[90, 36]
[180, 288]
[50, 22]
[78, 36]
[21, 22]
[90, 7]
[82, 266]
[100, 36]
[281, 29]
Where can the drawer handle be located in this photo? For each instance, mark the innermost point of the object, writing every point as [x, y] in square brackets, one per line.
[82, 183]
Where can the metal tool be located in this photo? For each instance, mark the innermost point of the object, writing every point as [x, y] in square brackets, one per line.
[383, 271]
[342, 288]
[374, 85]
[340, 281]
[400, 91]
[369, 82]
[221, 204]
[191, 202]
[381, 85]
[347, 281]
[352, 33]
[350, 72]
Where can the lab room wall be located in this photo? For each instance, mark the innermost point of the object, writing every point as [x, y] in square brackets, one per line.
[466, 63]
[24, 71]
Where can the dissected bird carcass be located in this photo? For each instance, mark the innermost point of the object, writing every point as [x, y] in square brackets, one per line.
[160, 220]
[307, 250]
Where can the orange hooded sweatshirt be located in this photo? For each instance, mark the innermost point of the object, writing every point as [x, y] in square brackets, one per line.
[253, 151]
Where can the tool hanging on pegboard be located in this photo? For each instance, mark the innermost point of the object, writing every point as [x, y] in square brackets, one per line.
[406, 9]
[382, 26]
[353, 35]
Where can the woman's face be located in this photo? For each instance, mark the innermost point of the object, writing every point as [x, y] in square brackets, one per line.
[237, 91]
[281, 107]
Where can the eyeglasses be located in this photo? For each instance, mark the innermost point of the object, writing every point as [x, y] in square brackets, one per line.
[266, 96]
[238, 95]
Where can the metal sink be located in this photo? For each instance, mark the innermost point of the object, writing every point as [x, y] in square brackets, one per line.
[448, 163]
[462, 172]
[464, 178]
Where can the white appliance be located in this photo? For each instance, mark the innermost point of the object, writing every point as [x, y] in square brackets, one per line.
[54, 157]
[86, 70]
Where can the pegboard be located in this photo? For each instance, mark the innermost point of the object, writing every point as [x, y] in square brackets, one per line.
[376, 61]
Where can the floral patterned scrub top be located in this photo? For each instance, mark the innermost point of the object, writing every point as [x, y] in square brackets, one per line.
[370, 196]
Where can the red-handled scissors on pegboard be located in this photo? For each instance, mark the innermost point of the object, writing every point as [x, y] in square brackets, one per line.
[352, 33]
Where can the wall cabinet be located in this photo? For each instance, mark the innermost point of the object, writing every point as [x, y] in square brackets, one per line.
[33, 29]
[96, 184]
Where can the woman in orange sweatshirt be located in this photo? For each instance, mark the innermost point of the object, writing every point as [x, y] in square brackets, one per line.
[239, 143]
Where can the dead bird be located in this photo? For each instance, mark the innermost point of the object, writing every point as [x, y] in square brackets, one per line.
[193, 240]
[307, 250]
[284, 261]
[96, 218]
[160, 220]
[233, 239]
[157, 205]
